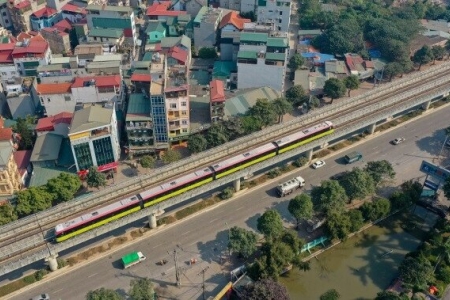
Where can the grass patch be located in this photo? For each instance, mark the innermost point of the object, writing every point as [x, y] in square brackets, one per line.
[321, 153]
[23, 282]
[339, 146]
[166, 220]
[136, 233]
[196, 207]
[440, 103]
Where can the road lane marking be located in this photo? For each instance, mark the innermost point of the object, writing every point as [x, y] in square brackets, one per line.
[239, 208]
[92, 275]
[156, 246]
[58, 291]
[186, 232]
[213, 220]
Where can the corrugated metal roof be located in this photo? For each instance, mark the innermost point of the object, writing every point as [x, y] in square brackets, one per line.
[254, 37]
[106, 32]
[277, 42]
[247, 54]
[90, 118]
[138, 108]
[276, 56]
[46, 147]
[240, 104]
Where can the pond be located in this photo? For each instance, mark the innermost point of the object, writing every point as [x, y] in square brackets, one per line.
[363, 265]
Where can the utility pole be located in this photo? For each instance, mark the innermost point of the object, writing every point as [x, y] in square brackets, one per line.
[203, 271]
[43, 235]
[177, 270]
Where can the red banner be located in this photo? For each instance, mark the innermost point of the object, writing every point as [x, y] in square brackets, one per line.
[107, 167]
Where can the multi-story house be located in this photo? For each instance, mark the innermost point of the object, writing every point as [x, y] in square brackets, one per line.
[30, 53]
[232, 4]
[5, 19]
[263, 55]
[194, 6]
[8, 70]
[107, 90]
[58, 124]
[112, 17]
[216, 100]
[58, 40]
[94, 138]
[56, 97]
[155, 32]
[277, 13]
[205, 27]
[230, 26]
[44, 17]
[106, 36]
[139, 124]
[159, 11]
[10, 179]
[73, 13]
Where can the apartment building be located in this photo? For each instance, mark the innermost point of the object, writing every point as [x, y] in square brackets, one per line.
[107, 90]
[94, 138]
[5, 20]
[29, 53]
[264, 55]
[276, 13]
[216, 100]
[10, 177]
[44, 17]
[205, 25]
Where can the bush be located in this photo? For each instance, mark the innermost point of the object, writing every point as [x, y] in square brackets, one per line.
[29, 279]
[284, 168]
[300, 162]
[227, 193]
[39, 275]
[274, 173]
[61, 263]
[147, 161]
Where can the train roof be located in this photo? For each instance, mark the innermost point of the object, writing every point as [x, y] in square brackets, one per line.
[97, 213]
[176, 183]
[303, 133]
[243, 156]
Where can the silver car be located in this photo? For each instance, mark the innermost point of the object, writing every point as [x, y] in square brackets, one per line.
[41, 297]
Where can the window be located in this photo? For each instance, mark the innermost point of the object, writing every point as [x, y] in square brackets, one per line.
[183, 113]
[184, 122]
[67, 98]
[279, 21]
[4, 13]
[183, 103]
[184, 130]
[48, 100]
[4, 73]
[281, 13]
[173, 105]
[83, 156]
[103, 151]
[6, 21]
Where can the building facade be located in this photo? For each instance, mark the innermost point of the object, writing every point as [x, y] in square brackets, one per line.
[216, 100]
[276, 13]
[94, 138]
[10, 179]
[29, 54]
[44, 17]
[205, 25]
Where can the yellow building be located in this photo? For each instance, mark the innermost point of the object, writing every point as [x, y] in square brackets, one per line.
[10, 179]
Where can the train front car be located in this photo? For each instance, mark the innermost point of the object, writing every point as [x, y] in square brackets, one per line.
[97, 218]
[304, 136]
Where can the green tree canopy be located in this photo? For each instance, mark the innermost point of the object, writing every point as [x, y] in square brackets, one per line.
[141, 289]
[376, 210]
[22, 127]
[380, 170]
[393, 69]
[296, 61]
[389, 295]
[270, 224]
[32, 200]
[296, 95]
[334, 88]
[281, 107]
[301, 208]
[438, 52]
[330, 295]
[148, 161]
[7, 214]
[207, 53]
[95, 178]
[250, 124]
[415, 271]
[356, 219]
[63, 187]
[423, 56]
[357, 184]
[351, 83]
[412, 189]
[399, 200]
[171, 156]
[242, 241]
[329, 197]
[338, 225]
[197, 143]
[446, 188]
[103, 294]
[234, 127]
[216, 135]
[266, 289]
[263, 111]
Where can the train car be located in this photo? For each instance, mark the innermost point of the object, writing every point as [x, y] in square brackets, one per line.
[176, 187]
[244, 160]
[97, 218]
[304, 136]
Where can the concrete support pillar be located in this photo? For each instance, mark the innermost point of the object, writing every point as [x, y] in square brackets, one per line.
[237, 185]
[372, 128]
[52, 262]
[426, 105]
[324, 146]
[152, 221]
[309, 154]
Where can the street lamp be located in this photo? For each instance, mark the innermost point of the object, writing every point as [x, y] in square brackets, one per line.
[229, 250]
[442, 148]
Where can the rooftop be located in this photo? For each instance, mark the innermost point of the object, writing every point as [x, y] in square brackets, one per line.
[73, 8]
[138, 108]
[233, 18]
[178, 54]
[255, 37]
[6, 149]
[98, 81]
[155, 26]
[208, 15]
[109, 8]
[247, 54]
[33, 47]
[90, 118]
[169, 42]
[46, 147]
[106, 32]
[239, 104]
[277, 42]
[141, 77]
[89, 49]
[162, 9]
[217, 92]
[22, 159]
[45, 12]
[54, 88]
[63, 25]
[47, 124]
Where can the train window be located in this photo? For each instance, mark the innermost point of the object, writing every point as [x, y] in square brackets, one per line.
[246, 154]
[215, 166]
[278, 142]
[206, 170]
[133, 198]
[305, 131]
[173, 183]
[95, 213]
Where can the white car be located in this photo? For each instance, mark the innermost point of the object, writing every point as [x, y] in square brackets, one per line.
[398, 141]
[318, 164]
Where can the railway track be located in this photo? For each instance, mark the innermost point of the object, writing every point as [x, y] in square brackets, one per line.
[12, 245]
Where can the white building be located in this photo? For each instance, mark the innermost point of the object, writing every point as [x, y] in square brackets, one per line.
[277, 13]
[56, 97]
[264, 55]
[94, 138]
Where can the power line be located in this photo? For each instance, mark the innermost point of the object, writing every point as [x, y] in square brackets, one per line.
[203, 271]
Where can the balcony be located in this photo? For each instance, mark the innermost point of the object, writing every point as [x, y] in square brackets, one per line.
[100, 132]
[173, 116]
[174, 125]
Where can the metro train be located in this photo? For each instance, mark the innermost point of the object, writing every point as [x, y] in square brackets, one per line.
[188, 182]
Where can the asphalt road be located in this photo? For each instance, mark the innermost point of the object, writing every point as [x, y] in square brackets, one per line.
[204, 236]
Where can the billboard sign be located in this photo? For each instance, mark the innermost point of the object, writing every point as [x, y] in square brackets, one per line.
[431, 185]
[435, 171]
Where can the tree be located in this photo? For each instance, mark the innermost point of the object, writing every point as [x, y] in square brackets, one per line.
[64, 187]
[263, 111]
[290, 238]
[447, 48]
[446, 188]
[380, 170]
[242, 241]
[356, 219]
[329, 197]
[357, 184]
[415, 271]
[7, 214]
[330, 295]
[103, 294]
[334, 88]
[301, 208]
[412, 189]
[248, 15]
[314, 102]
[95, 178]
[393, 69]
[207, 53]
[376, 210]
[338, 225]
[399, 200]
[389, 295]
[250, 124]
[216, 136]
[171, 156]
[296, 95]
[281, 107]
[438, 52]
[234, 127]
[197, 143]
[147, 161]
[295, 62]
[22, 127]
[32, 200]
[351, 83]
[270, 224]
[141, 289]
[266, 289]
[423, 56]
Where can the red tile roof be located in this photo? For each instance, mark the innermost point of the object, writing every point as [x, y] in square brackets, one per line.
[45, 12]
[100, 81]
[217, 91]
[161, 9]
[179, 54]
[128, 32]
[63, 25]
[234, 19]
[22, 159]
[141, 77]
[35, 47]
[47, 124]
[6, 57]
[54, 30]
[7, 47]
[73, 8]
[6, 134]
[22, 4]
[22, 36]
[54, 88]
